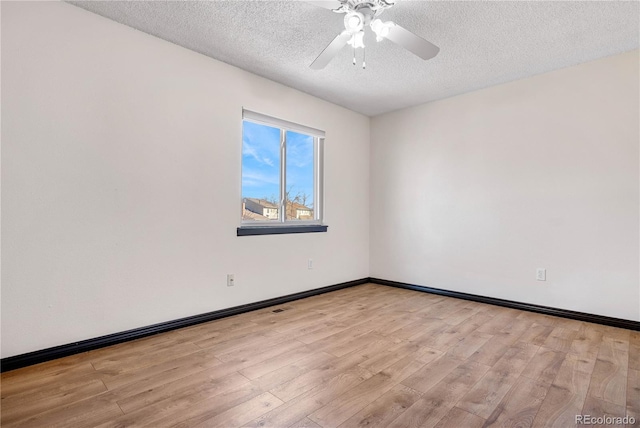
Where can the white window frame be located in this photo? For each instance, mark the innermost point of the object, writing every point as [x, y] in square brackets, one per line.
[318, 172]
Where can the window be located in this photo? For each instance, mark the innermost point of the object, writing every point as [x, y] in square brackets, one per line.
[281, 176]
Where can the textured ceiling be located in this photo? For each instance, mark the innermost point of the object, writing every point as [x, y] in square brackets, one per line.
[482, 43]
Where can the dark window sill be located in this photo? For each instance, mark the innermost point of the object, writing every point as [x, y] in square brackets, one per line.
[277, 230]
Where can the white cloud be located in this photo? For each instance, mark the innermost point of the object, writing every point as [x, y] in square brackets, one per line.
[250, 175]
[260, 143]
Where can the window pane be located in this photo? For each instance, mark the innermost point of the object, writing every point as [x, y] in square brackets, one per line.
[299, 179]
[260, 172]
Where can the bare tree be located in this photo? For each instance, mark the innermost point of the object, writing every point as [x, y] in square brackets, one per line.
[301, 198]
[272, 199]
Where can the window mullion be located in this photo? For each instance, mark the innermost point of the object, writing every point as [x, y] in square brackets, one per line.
[318, 178]
[283, 175]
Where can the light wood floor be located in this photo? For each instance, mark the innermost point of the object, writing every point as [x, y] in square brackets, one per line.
[365, 356]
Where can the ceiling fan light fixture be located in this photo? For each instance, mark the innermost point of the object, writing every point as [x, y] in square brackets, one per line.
[353, 22]
[381, 28]
[357, 40]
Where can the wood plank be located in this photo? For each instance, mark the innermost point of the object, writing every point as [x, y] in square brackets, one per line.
[167, 370]
[320, 375]
[475, 321]
[389, 356]
[517, 358]
[536, 334]
[560, 339]
[348, 404]
[485, 395]
[272, 346]
[460, 315]
[633, 394]
[133, 358]
[597, 408]
[421, 330]
[450, 336]
[313, 399]
[565, 397]
[439, 310]
[38, 388]
[544, 366]
[621, 334]
[458, 418]
[517, 327]
[634, 350]
[90, 412]
[317, 328]
[372, 350]
[609, 377]
[161, 382]
[385, 409]
[190, 407]
[468, 345]
[608, 382]
[39, 375]
[497, 323]
[319, 334]
[279, 361]
[343, 336]
[230, 342]
[290, 372]
[614, 350]
[520, 406]
[587, 341]
[536, 318]
[242, 413]
[203, 382]
[489, 353]
[428, 376]
[26, 404]
[221, 330]
[359, 343]
[311, 319]
[395, 323]
[305, 423]
[439, 400]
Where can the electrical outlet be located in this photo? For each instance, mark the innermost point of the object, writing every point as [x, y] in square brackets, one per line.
[310, 264]
[230, 280]
[541, 274]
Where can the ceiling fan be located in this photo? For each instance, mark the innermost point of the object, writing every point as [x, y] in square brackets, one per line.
[359, 14]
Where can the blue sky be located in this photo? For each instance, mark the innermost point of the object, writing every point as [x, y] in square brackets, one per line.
[261, 162]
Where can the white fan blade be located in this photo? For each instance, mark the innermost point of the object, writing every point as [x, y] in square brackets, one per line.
[327, 4]
[330, 51]
[416, 44]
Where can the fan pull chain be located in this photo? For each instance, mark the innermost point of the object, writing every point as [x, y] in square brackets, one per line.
[364, 58]
[354, 55]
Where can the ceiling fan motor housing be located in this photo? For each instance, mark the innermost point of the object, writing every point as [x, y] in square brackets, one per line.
[371, 4]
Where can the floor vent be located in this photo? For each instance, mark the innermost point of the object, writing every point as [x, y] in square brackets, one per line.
[278, 310]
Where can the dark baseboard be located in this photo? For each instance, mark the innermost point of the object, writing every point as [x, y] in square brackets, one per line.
[23, 360]
[580, 316]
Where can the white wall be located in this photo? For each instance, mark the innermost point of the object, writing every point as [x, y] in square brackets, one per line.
[121, 185]
[475, 192]
[121, 182]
